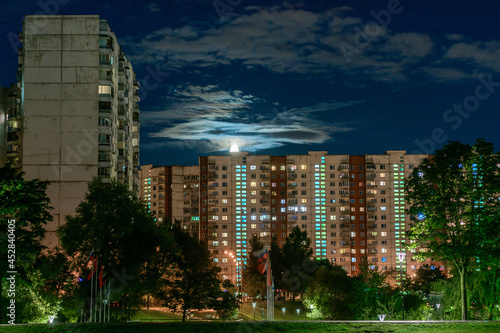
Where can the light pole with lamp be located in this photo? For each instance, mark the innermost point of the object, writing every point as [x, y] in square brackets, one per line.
[311, 306]
[298, 314]
[254, 304]
[234, 260]
[283, 309]
[401, 257]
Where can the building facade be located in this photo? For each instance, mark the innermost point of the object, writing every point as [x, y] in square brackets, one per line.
[352, 207]
[76, 113]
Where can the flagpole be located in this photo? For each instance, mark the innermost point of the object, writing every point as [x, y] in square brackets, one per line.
[91, 288]
[109, 301]
[96, 284]
[104, 312]
[100, 302]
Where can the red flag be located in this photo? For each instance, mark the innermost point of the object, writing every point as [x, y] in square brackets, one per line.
[262, 258]
[92, 270]
[90, 260]
[101, 283]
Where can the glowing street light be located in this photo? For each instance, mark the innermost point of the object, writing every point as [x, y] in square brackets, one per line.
[298, 313]
[283, 309]
[254, 304]
[401, 257]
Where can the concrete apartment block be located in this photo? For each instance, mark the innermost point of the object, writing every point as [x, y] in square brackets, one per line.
[77, 110]
[352, 207]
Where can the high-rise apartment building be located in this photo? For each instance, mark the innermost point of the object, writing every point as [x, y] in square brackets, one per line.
[352, 207]
[77, 112]
[10, 120]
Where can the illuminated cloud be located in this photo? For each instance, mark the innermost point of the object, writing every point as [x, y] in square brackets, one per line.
[209, 118]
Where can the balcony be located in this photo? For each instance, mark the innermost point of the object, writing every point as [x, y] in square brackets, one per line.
[371, 226]
[345, 218]
[344, 176]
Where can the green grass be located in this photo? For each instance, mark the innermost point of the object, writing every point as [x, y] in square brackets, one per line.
[155, 315]
[246, 311]
[258, 327]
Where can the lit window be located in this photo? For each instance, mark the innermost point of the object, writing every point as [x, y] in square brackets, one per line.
[303, 167]
[104, 90]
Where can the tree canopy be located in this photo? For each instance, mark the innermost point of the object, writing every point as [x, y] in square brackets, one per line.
[115, 224]
[455, 208]
[24, 213]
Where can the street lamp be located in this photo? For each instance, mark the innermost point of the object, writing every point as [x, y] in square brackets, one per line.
[401, 257]
[298, 314]
[438, 305]
[311, 306]
[254, 304]
[283, 309]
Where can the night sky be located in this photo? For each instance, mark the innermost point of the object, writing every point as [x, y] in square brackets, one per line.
[287, 77]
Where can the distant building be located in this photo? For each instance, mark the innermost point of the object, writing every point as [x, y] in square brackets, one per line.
[10, 124]
[76, 114]
[352, 207]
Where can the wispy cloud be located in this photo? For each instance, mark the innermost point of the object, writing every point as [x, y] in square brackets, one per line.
[290, 39]
[208, 117]
[153, 7]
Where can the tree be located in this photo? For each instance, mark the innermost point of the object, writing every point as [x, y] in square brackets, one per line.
[329, 293]
[253, 282]
[297, 262]
[224, 302]
[454, 207]
[115, 223]
[424, 276]
[194, 281]
[24, 212]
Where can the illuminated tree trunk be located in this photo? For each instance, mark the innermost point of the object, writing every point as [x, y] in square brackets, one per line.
[463, 292]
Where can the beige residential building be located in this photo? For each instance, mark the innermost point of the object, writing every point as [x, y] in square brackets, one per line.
[352, 207]
[77, 112]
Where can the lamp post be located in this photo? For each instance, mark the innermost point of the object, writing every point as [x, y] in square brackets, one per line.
[254, 304]
[234, 260]
[298, 314]
[401, 257]
[311, 306]
[283, 309]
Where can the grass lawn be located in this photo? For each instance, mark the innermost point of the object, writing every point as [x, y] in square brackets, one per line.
[246, 311]
[258, 327]
[144, 314]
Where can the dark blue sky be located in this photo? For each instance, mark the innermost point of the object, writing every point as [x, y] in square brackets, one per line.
[285, 77]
